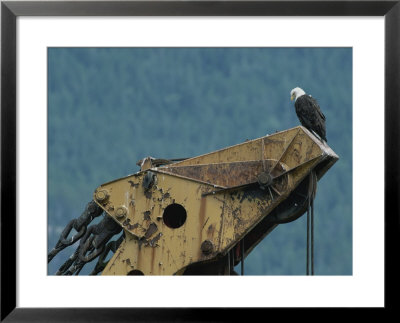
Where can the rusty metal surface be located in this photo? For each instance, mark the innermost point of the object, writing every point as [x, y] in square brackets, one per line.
[219, 198]
[225, 174]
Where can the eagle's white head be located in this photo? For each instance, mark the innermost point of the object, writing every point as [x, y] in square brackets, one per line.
[295, 93]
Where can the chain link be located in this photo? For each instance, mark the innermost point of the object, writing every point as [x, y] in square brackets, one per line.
[93, 241]
[97, 236]
[111, 246]
[80, 224]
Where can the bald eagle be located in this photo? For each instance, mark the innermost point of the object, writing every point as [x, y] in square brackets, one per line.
[309, 112]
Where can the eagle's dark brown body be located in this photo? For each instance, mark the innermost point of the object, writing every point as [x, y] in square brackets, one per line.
[310, 115]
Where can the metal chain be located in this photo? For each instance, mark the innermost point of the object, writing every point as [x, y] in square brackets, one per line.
[80, 224]
[97, 236]
[111, 246]
[93, 241]
[66, 265]
[92, 245]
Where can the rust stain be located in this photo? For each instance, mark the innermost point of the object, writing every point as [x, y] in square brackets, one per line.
[117, 257]
[202, 211]
[221, 174]
[310, 151]
[138, 260]
[296, 153]
[153, 252]
[221, 225]
[210, 231]
[205, 223]
[132, 204]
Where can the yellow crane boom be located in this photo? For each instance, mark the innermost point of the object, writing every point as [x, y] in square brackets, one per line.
[203, 215]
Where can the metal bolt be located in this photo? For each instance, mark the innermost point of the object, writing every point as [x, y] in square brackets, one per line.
[264, 179]
[207, 247]
[102, 196]
[121, 212]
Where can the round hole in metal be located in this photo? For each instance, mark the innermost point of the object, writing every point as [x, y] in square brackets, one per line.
[174, 216]
[135, 272]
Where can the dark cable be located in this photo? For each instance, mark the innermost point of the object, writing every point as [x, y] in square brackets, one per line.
[308, 239]
[242, 256]
[312, 237]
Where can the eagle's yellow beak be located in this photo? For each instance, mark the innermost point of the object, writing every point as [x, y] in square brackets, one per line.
[292, 97]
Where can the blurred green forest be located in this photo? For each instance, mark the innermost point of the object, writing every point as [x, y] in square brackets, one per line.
[110, 107]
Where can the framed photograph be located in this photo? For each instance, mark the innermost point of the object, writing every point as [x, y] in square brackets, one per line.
[90, 89]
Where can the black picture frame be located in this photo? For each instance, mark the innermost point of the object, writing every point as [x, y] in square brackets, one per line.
[10, 10]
